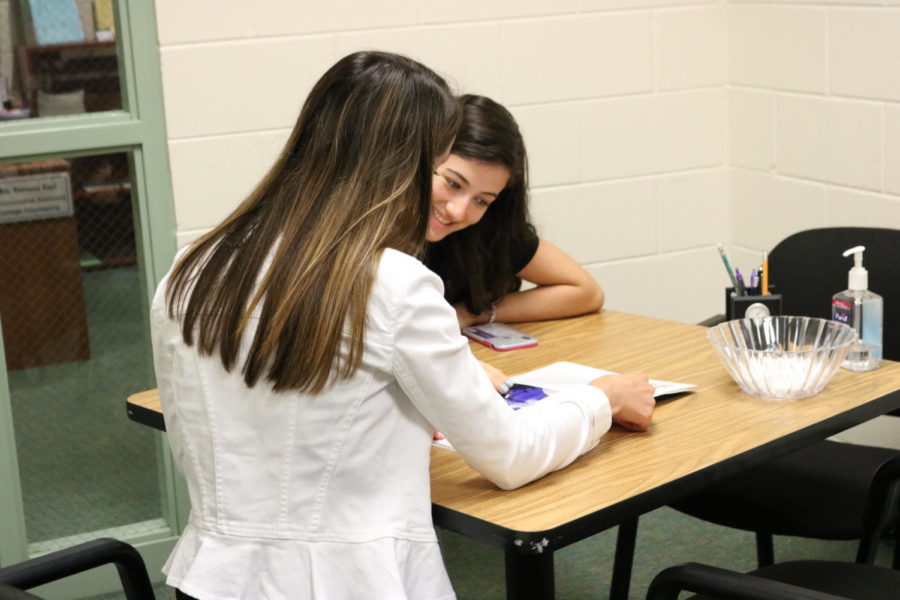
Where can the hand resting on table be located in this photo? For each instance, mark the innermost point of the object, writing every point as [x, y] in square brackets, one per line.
[630, 397]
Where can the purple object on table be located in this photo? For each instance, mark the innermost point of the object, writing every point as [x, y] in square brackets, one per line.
[520, 395]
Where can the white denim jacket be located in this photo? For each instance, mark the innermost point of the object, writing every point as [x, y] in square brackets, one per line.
[327, 497]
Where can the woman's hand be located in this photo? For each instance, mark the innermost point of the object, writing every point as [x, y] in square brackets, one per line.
[501, 382]
[467, 319]
[630, 397]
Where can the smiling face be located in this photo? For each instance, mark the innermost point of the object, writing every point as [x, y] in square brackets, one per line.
[461, 192]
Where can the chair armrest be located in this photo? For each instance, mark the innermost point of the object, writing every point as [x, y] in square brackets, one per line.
[713, 320]
[83, 557]
[724, 584]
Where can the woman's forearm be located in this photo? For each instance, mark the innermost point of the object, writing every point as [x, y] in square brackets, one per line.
[562, 289]
[549, 302]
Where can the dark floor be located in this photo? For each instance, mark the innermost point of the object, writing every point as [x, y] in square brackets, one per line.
[82, 466]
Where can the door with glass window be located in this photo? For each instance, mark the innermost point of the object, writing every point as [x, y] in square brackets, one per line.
[85, 232]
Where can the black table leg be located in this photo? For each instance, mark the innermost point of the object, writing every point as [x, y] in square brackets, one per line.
[530, 576]
[621, 576]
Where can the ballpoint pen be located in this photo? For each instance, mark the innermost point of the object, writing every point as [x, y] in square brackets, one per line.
[731, 276]
[741, 287]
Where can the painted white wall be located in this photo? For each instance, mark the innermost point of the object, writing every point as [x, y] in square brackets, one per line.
[814, 116]
[662, 126]
[656, 128]
[622, 104]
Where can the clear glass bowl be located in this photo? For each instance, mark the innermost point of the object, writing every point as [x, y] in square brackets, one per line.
[782, 358]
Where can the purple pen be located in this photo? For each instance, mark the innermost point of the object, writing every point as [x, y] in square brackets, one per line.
[742, 288]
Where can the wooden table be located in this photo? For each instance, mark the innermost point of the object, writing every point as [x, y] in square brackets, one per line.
[695, 440]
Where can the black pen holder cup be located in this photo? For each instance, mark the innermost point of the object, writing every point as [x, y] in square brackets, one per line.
[737, 307]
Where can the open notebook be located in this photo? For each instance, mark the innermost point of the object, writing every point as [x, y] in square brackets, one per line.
[533, 386]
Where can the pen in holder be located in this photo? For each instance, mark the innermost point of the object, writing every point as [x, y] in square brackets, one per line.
[740, 307]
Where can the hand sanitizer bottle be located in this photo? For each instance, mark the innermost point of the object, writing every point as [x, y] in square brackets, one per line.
[863, 310]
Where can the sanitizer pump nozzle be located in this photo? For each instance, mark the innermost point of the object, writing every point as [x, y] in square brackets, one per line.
[858, 278]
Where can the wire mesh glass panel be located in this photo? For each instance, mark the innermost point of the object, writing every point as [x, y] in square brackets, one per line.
[75, 334]
[57, 57]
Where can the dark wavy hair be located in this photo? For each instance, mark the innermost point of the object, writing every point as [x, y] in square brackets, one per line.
[476, 263]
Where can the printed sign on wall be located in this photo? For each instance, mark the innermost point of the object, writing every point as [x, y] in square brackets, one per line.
[33, 197]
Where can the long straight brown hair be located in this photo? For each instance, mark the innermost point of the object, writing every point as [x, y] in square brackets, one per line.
[302, 250]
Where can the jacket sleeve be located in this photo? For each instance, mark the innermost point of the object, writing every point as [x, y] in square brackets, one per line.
[437, 371]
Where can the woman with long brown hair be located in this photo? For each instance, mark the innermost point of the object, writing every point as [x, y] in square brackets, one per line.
[480, 238]
[304, 354]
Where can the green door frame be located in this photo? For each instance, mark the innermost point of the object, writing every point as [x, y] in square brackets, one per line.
[139, 129]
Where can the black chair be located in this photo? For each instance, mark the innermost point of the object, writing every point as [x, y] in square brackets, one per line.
[823, 491]
[793, 580]
[796, 580]
[17, 578]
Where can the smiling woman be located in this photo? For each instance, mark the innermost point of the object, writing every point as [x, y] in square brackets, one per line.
[464, 190]
[481, 242]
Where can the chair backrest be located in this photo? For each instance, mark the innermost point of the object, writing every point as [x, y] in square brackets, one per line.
[807, 269]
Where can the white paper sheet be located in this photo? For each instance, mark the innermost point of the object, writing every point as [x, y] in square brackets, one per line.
[559, 375]
[556, 377]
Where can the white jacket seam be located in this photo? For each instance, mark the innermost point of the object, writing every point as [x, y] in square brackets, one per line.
[217, 476]
[325, 484]
[287, 466]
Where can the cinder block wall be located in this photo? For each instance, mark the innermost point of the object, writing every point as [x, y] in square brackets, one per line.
[814, 119]
[656, 128]
[622, 102]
